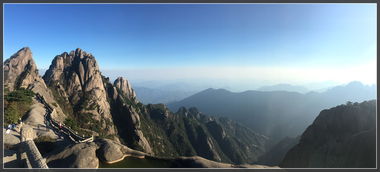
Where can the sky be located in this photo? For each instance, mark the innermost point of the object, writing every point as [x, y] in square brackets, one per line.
[255, 44]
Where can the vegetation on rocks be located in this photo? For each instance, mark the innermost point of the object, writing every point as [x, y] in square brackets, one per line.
[16, 104]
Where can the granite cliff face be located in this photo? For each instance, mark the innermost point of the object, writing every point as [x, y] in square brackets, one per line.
[126, 115]
[340, 137]
[77, 81]
[125, 88]
[111, 110]
[20, 71]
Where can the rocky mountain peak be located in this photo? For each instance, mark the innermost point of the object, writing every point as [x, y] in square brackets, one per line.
[20, 70]
[125, 87]
[77, 78]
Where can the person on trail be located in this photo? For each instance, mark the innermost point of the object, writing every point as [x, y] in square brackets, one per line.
[60, 126]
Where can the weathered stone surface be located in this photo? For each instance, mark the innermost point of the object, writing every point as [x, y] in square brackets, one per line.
[126, 115]
[35, 119]
[82, 155]
[35, 115]
[199, 162]
[27, 133]
[111, 151]
[77, 78]
[20, 71]
[125, 87]
[12, 138]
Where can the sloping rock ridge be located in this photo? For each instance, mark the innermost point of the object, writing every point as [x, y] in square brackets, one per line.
[340, 137]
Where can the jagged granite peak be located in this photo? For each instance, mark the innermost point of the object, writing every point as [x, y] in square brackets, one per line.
[125, 87]
[126, 113]
[20, 71]
[77, 78]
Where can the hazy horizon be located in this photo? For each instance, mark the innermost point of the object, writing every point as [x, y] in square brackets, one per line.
[232, 85]
[240, 47]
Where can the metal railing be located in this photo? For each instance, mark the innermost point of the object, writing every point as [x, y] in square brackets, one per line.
[64, 129]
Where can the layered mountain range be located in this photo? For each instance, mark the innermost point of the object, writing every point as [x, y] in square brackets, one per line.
[270, 132]
[87, 101]
[276, 114]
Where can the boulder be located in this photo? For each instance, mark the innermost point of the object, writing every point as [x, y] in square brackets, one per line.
[82, 155]
[111, 151]
[12, 138]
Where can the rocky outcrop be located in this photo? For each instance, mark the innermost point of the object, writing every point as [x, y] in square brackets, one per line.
[91, 102]
[125, 88]
[76, 78]
[111, 152]
[12, 138]
[20, 71]
[126, 114]
[35, 119]
[82, 155]
[199, 162]
[340, 137]
[189, 132]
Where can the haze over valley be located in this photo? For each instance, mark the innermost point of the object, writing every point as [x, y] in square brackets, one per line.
[190, 86]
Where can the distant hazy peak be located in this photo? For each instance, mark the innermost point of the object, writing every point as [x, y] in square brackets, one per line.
[219, 90]
[284, 87]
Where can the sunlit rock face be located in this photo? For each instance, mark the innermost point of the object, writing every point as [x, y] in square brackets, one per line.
[76, 77]
[20, 71]
[125, 87]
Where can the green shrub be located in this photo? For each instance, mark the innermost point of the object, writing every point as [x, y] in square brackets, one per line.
[20, 95]
[71, 123]
[16, 104]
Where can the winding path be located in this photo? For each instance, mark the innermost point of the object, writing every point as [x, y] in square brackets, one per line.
[55, 124]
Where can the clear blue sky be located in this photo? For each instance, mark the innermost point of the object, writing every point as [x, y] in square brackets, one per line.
[133, 36]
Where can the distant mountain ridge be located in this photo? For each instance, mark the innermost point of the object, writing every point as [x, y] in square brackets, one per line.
[284, 87]
[161, 95]
[277, 114]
